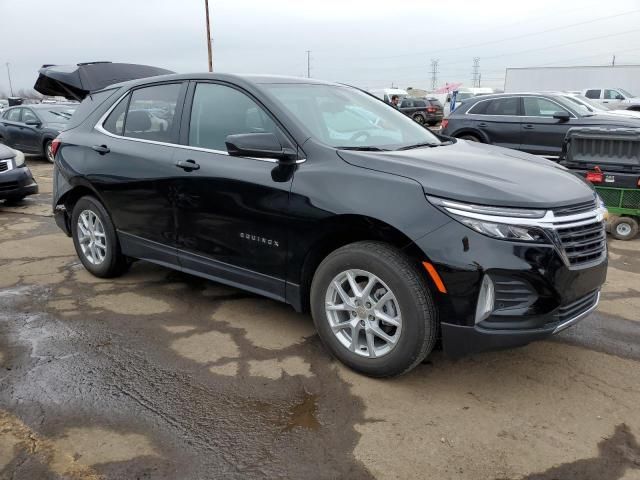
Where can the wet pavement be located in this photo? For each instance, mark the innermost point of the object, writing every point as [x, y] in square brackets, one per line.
[160, 375]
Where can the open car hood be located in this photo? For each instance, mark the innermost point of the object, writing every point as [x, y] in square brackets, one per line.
[77, 81]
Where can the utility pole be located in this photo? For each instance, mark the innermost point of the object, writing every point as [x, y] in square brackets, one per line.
[209, 48]
[475, 74]
[613, 61]
[308, 63]
[434, 73]
[9, 75]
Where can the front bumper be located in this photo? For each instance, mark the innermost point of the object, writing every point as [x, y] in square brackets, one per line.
[17, 183]
[536, 293]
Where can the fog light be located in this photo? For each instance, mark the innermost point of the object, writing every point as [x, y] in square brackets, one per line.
[486, 299]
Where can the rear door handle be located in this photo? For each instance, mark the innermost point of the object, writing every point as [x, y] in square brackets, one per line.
[188, 165]
[528, 127]
[101, 149]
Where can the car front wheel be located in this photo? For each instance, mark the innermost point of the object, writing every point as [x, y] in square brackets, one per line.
[95, 240]
[373, 310]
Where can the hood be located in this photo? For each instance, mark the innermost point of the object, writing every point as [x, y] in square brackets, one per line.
[6, 153]
[482, 174]
[77, 81]
[612, 120]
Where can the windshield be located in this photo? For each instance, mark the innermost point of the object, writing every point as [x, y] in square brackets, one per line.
[56, 115]
[626, 94]
[345, 117]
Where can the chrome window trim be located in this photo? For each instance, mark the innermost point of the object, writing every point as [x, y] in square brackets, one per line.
[468, 112]
[99, 126]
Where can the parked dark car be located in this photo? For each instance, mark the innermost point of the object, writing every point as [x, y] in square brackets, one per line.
[16, 180]
[389, 234]
[423, 110]
[32, 128]
[532, 122]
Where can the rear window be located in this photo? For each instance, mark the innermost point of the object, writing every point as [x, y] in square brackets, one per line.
[88, 106]
[592, 93]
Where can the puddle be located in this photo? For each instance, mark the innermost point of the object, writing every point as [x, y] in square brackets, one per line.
[304, 414]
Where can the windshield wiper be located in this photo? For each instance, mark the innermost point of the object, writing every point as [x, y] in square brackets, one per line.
[364, 149]
[419, 145]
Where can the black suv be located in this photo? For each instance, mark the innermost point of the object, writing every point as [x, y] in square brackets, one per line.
[532, 122]
[322, 196]
[422, 110]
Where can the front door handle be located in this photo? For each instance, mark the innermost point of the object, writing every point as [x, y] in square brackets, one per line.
[528, 127]
[188, 165]
[101, 149]
[482, 124]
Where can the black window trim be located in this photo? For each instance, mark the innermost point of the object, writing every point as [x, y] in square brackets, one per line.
[184, 98]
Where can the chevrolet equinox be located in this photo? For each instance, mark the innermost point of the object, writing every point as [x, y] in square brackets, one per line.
[322, 196]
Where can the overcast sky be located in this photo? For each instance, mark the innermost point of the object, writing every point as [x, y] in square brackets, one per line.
[367, 43]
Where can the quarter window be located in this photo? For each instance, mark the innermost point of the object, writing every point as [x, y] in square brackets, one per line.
[219, 111]
[592, 94]
[540, 107]
[115, 121]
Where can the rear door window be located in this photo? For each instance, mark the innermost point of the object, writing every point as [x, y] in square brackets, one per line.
[419, 104]
[406, 104]
[500, 106]
[151, 113]
[219, 111]
[592, 94]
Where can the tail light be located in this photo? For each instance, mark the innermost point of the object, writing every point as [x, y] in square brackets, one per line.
[596, 176]
[444, 123]
[54, 146]
[431, 109]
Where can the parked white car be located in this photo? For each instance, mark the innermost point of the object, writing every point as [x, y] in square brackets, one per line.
[613, 97]
[595, 107]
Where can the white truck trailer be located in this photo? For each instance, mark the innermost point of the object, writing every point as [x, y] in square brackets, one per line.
[536, 79]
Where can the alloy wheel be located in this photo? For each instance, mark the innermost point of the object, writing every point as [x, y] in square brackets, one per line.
[92, 237]
[363, 313]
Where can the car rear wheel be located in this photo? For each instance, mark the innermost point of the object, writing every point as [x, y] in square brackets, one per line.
[95, 240]
[624, 228]
[373, 310]
[469, 137]
[48, 150]
[419, 118]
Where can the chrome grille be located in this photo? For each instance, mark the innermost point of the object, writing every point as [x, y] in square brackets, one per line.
[583, 241]
[4, 165]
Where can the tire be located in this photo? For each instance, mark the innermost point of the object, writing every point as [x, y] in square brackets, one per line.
[419, 119]
[12, 200]
[470, 138]
[104, 262]
[410, 300]
[624, 228]
[46, 150]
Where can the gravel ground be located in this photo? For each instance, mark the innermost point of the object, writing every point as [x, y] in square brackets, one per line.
[159, 375]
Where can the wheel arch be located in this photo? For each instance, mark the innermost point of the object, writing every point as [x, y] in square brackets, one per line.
[338, 232]
[484, 138]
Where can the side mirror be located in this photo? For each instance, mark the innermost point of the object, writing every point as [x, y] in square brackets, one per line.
[562, 116]
[259, 145]
[33, 123]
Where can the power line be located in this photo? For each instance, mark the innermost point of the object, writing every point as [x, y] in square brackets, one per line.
[504, 39]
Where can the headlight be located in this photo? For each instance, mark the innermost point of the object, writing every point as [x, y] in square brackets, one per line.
[497, 222]
[19, 158]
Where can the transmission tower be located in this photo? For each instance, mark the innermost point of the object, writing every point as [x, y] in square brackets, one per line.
[475, 73]
[434, 73]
